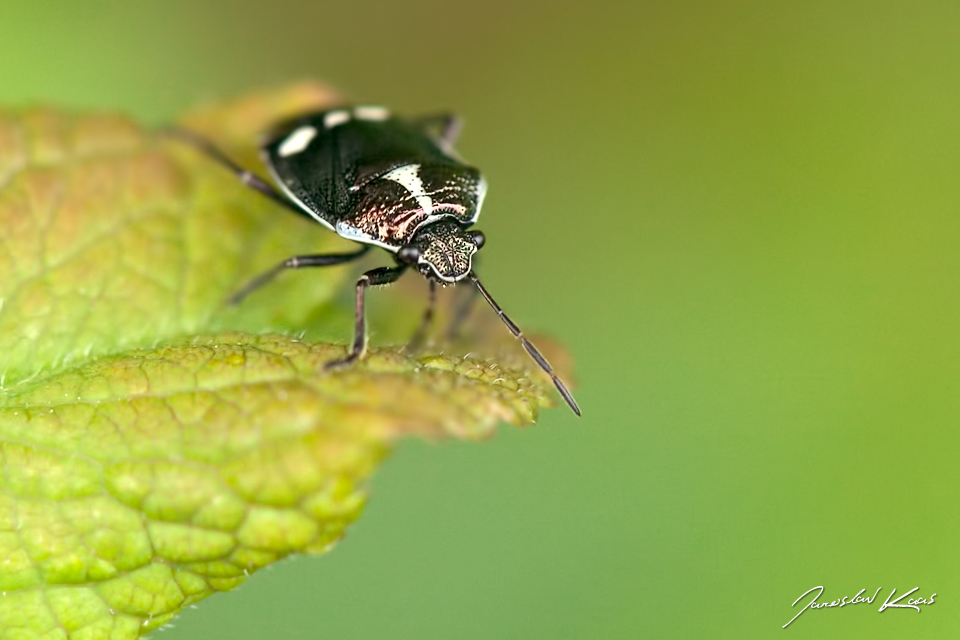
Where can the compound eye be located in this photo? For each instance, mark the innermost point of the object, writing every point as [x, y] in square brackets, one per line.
[478, 238]
[409, 254]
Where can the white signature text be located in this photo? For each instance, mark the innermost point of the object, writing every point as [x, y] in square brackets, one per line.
[889, 603]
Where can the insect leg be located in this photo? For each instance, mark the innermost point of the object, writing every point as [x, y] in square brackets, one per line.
[417, 340]
[531, 350]
[444, 126]
[248, 178]
[460, 314]
[372, 278]
[296, 262]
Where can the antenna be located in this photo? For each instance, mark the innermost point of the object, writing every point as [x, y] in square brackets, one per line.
[532, 350]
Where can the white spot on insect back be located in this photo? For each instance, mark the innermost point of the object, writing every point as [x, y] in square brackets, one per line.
[336, 118]
[481, 194]
[408, 176]
[297, 141]
[371, 113]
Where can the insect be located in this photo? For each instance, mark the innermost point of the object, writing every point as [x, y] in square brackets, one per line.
[385, 182]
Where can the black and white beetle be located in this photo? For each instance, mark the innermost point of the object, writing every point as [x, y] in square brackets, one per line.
[379, 181]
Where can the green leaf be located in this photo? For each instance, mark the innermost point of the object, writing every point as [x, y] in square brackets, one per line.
[157, 445]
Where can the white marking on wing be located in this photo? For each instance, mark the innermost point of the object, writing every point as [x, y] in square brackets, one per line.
[335, 119]
[297, 141]
[408, 176]
[371, 113]
[481, 194]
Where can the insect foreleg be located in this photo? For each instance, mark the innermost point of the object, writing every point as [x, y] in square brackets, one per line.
[418, 338]
[372, 278]
[460, 313]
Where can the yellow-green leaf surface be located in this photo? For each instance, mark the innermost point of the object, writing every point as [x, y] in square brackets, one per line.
[156, 444]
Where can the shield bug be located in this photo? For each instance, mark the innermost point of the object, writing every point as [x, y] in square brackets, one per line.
[380, 181]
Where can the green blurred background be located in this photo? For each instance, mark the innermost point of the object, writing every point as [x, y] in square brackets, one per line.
[741, 217]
